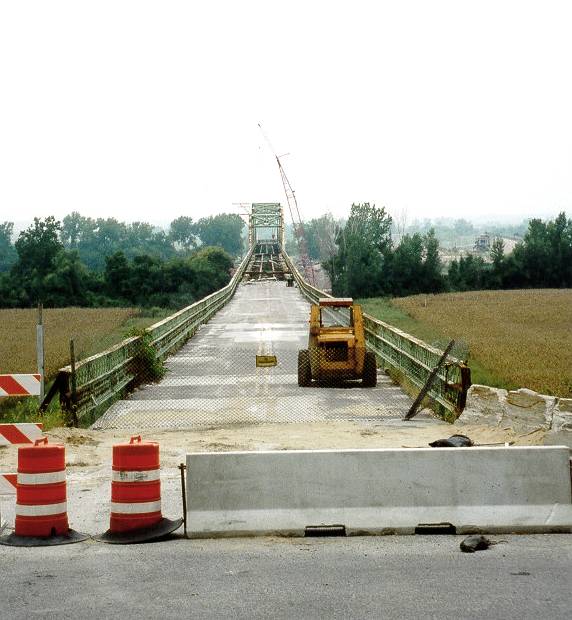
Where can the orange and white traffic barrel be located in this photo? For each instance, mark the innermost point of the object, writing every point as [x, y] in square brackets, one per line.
[41, 497]
[136, 494]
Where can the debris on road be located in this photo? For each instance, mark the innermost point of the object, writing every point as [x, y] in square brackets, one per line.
[454, 441]
[476, 543]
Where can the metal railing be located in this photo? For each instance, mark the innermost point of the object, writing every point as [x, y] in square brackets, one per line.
[412, 358]
[90, 387]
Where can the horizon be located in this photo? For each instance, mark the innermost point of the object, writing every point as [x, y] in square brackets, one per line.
[478, 223]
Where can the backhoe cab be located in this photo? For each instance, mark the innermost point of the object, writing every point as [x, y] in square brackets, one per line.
[336, 346]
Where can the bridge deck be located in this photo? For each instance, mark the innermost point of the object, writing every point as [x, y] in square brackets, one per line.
[213, 379]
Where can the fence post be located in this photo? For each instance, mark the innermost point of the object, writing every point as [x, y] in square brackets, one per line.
[40, 350]
[73, 384]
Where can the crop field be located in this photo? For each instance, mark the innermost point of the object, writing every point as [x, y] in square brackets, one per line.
[515, 338]
[92, 329]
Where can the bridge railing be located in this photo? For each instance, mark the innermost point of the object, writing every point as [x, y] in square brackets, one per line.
[412, 358]
[87, 390]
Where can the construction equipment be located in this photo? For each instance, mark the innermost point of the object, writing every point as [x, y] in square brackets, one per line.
[336, 345]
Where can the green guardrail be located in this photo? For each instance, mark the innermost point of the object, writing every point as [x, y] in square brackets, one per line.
[88, 388]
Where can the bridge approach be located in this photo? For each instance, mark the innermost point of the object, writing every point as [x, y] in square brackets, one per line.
[210, 350]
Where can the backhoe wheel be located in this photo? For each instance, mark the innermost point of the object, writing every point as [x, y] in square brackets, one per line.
[304, 368]
[369, 378]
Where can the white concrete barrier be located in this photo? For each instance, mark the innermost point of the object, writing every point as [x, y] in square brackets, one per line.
[489, 489]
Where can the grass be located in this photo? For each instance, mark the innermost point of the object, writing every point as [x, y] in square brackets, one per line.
[514, 338]
[92, 329]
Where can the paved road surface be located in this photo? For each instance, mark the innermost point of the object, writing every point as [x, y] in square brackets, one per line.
[213, 379]
[376, 577]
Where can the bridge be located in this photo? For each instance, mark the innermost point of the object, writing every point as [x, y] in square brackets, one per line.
[210, 350]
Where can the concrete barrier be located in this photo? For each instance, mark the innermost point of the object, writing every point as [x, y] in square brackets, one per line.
[385, 491]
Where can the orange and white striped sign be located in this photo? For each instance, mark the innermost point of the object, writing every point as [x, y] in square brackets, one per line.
[20, 433]
[8, 484]
[20, 385]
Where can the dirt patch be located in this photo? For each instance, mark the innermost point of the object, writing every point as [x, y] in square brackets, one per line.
[81, 440]
[88, 448]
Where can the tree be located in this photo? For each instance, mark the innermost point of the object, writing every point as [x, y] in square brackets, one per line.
[224, 230]
[68, 283]
[559, 233]
[432, 280]
[8, 254]
[468, 274]
[407, 265]
[38, 245]
[320, 236]
[184, 232]
[72, 228]
[498, 263]
[118, 276]
[210, 270]
[37, 248]
[364, 247]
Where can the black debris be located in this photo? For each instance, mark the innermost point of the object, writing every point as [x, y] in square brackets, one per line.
[475, 543]
[455, 441]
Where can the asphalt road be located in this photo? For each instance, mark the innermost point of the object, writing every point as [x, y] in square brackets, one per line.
[376, 577]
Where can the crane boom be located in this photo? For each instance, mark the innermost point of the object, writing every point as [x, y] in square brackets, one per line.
[298, 225]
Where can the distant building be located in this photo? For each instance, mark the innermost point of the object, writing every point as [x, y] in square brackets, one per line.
[483, 243]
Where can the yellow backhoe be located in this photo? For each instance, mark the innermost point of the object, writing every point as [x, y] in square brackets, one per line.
[336, 346]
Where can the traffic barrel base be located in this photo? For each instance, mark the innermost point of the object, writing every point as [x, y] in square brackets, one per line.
[147, 534]
[136, 495]
[70, 537]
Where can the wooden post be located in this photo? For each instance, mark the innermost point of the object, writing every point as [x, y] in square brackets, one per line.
[424, 391]
[73, 386]
[40, 350]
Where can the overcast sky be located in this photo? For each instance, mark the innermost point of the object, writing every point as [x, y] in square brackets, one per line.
[149, 110]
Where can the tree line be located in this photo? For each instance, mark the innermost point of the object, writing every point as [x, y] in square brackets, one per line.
[363, 261]
[85, 262]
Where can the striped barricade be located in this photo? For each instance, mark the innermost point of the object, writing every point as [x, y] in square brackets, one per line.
[20, 385]
[14, 434]
[8, 484]
[7, 487]
[20, 433]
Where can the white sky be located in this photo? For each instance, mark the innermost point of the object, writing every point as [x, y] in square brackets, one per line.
[149, 110]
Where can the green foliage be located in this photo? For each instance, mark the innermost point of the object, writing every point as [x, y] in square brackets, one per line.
[224, 230]
[543, 259]
[8, 254]
[367, 264]
[26, 409]
[49, 266]
[184, 233]
[321, 236]
[37, 248]
[148, 281]
[363, 247]
[97, 239]
[147, 366]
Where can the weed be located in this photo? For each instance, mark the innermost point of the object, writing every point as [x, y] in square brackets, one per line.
[27, 410]
[148, 367]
